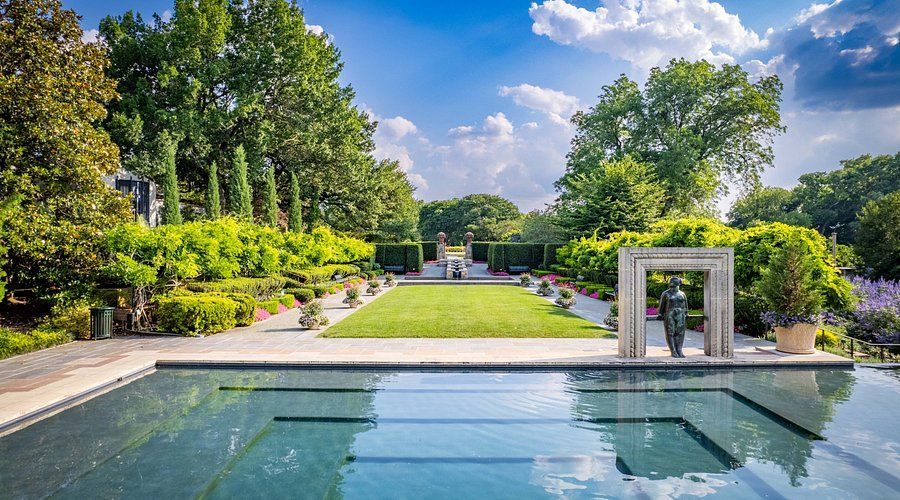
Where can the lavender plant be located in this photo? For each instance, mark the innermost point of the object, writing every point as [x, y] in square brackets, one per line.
[876, 317]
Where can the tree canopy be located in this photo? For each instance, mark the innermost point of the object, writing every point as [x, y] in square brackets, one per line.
[697, 125]
[52, 91]
[767, 204]
[220, 74]
[878, 236]
[489, 217]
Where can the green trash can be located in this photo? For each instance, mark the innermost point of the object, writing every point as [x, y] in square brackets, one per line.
[101, 322]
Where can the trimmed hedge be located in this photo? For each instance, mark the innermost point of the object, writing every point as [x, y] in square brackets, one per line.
[408, 255]
[196, 314]
[322, 274]
[287, 300]
[245, 312]
[259, 288]
[550, 254]
[269, 305]
[480, 250]
[429, 250]
[304, 295]
[501, 256]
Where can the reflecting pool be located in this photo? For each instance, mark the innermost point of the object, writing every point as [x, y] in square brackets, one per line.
[356, 434]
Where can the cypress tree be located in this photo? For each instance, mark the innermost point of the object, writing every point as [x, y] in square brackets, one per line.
[171, 209]
[270, 199]
[295, 216]
[213, 206]
[239, 194]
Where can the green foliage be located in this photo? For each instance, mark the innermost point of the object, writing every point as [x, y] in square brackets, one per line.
[8, 208]
[429, 250]
[221, 249]
[213, 204]
[295, 215]
[480, 250]
[617, 195]
[833, 199]
[550, 258]
[321, 274]
[269, 305]
[270, 199]
[287, 300]
[304, 295]
[487, 216]
[52, 94]
[13, 343]
[541, 227]
[878, 237]
[788, 284]
[753, 249]
[240, 197]
[767, 204]
[501, 256]
[221, 74]
[696, 124]
[408, 255]
[171, 210]
[196, 314]
[258, 288]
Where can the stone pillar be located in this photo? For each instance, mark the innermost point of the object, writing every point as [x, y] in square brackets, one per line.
[442, 247]
[469, 238]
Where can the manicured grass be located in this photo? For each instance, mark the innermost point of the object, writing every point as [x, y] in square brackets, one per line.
[463, 312]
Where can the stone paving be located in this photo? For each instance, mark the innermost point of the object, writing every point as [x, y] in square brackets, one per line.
[66, 373]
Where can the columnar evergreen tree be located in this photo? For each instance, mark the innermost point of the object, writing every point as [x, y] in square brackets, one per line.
[295, 214]
[171, 210]
[239, 198]
[213, 204]
[270, 199]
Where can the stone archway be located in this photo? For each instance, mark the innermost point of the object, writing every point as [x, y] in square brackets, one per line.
[717, 265]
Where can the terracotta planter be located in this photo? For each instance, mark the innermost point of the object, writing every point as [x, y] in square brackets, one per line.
[797, 339]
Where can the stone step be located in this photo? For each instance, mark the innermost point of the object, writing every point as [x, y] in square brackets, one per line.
[470, 281]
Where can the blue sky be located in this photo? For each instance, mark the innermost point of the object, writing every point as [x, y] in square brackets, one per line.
[474, 96]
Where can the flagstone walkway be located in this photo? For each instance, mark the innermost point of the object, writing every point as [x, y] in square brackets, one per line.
[31, 383]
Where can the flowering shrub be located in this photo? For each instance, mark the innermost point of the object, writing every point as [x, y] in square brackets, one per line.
[566, 297]
[544, 288]
[352, 298]
[262, 314]
[312, 315]
[652, 311]
[414, 273]
[525, 279]
[297, 303]
[389, 279]
[498, 273]
[877, 314]
[595, 295]
[282, 308]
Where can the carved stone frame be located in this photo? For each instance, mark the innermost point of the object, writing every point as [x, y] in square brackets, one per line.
[717, 265]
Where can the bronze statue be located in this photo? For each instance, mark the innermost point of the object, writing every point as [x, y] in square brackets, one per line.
[673, 310]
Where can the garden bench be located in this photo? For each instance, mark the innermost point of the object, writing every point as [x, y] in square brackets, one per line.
[519, 269]
[394, 269]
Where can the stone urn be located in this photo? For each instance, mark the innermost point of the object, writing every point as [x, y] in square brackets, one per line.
[799, 338]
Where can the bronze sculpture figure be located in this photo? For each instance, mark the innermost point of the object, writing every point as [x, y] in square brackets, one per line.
[673, 310]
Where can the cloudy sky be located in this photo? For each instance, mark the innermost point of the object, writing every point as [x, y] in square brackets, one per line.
[475, 96]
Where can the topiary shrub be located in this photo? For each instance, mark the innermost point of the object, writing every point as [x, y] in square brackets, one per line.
[270, 306]
[196, 314]
[304, 295]
[259, 288]
[549, 257]
[287, 300]
[480, 250]
[429, 250]
[407, 255]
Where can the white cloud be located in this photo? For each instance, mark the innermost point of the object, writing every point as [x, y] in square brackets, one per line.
[315, 29]
[90, 36]
[558, 106]
[398, 127]
[647, 33]
[391, 138]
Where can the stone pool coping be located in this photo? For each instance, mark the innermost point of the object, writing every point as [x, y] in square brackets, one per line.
[38, 384]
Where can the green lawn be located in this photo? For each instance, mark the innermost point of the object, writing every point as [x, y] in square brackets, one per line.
[463, 311]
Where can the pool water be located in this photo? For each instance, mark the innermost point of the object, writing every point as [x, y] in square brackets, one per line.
[352, 434]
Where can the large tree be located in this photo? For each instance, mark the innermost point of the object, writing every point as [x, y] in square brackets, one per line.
[767, 204]
[620, 194]
[52, 92]
[697, 125]
[878, 236]
[221, 74]
[833, 199]
[488, 216]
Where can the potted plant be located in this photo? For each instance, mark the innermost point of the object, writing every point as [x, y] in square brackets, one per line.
[791, 292]
[612, 319]
[374, 288]
[525, 279]
[312, 316]
[566, 298]
[389, 280]
[352, 298]
[544, 288]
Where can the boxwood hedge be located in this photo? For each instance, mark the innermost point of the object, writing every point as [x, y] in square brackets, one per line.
[408, 255]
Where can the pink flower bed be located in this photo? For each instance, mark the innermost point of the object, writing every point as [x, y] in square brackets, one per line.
[297, 303]
[262, 314]
[652, 311]
[413, 273]
[699, 328]
[498, 273]
[595, 295]
[281, 308]
[431, 262]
